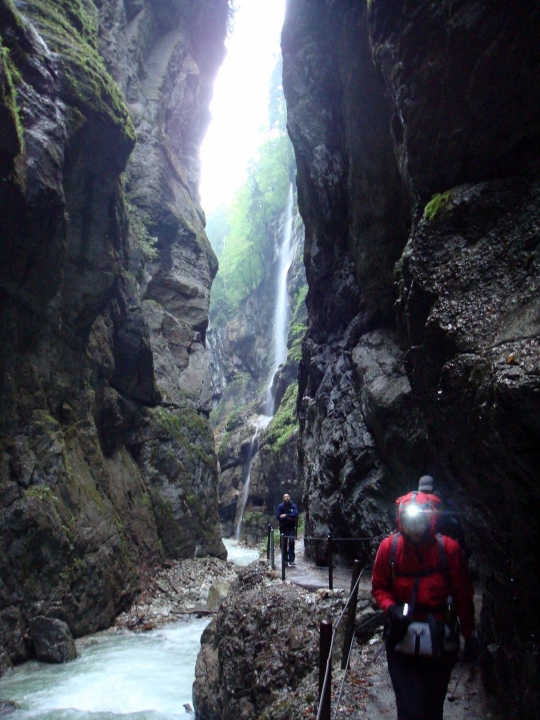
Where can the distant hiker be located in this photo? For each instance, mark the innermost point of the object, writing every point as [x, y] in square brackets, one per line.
[420, 580]
[426, 484]
[447, 521]
[287, 515]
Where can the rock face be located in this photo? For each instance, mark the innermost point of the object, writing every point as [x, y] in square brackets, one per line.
[107, 458]
[353, 386]
[416, 135]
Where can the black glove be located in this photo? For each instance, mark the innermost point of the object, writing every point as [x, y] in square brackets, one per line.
[398, 623]
[472, 648]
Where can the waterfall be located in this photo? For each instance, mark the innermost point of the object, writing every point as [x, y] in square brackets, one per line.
[260, 423]
[279, 346]
[281, 314]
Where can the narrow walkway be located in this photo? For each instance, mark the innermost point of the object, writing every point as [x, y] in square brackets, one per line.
[369, 694]
[306, 574]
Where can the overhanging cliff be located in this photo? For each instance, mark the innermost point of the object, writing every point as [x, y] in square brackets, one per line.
[416, 131]
[107, 457]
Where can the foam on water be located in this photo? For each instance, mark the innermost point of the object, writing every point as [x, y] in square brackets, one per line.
[239, 555]
[137, 676]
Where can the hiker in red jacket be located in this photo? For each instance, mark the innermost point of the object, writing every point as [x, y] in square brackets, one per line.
[420, 580]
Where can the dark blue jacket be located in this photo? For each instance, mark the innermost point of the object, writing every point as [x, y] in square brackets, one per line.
[291, 511]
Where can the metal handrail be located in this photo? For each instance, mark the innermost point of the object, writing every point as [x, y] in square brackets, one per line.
[350, 599]
[337, 539]
[323, 687]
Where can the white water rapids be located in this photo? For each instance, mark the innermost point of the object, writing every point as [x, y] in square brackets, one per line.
[132, 676]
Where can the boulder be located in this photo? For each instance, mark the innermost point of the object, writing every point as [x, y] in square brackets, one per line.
[263, 644]
[52, 639]
[218, 592]
[7, 707]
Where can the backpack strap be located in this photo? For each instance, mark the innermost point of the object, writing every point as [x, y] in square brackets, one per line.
[393, 551]
[442, 568]
[444, 562]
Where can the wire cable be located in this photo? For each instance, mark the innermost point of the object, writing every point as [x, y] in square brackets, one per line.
[334, 631]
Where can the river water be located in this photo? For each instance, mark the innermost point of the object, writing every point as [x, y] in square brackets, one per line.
[146, 676]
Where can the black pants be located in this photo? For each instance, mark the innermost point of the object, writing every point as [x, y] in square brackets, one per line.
[288, 544]
[420, 684]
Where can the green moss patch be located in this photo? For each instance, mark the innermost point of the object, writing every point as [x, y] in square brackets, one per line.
[297, 327]
[439, 203]
[40, 492]
[284, 423]
[183, 423]
[9, 75]
[70, 29]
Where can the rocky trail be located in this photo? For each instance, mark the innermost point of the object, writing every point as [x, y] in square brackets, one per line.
[367, 690]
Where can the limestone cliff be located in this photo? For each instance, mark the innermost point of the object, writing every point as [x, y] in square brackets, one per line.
[416, 131]
[107, 458]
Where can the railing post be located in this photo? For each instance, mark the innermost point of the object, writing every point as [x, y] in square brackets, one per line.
[330, 556]
[283, 545]
[325, 663]
[351, 614]
[268, 541]
[272, 558]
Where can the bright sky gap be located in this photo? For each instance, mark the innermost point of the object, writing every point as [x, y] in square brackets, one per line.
[239, 106]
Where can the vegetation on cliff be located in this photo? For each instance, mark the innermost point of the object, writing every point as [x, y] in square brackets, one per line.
[249, 238]
[70, 28]
[11, 125]
[243, 234]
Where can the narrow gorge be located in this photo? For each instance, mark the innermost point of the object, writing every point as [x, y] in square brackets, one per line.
[148, 407]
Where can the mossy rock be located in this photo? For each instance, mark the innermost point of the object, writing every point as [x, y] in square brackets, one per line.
[70, 29]
[437, 205]
[284, 424]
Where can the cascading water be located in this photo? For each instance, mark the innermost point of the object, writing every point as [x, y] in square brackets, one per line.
[279, 346]
[281, 314]
[133, 676]
[260, 423]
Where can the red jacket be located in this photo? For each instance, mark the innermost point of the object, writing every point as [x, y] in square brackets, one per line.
[433, 589]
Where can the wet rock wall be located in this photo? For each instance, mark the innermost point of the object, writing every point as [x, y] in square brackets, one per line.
[416, 131]
[107, 460]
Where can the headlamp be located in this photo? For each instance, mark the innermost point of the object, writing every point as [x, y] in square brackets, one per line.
[413, 510]
[415, 519]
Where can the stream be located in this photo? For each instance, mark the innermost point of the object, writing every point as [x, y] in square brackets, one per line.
[138, 676]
